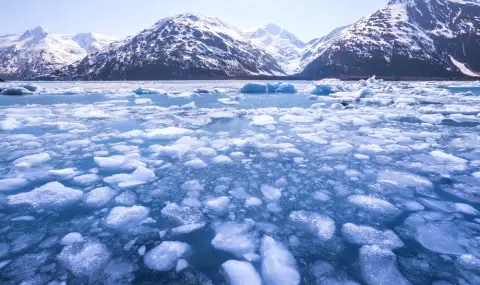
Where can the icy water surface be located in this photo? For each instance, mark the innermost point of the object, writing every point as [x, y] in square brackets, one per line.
[378, 183]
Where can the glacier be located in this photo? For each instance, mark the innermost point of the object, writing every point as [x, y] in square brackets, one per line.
[201, 183]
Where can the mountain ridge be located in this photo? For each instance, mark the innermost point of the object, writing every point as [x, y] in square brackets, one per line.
[403, 39]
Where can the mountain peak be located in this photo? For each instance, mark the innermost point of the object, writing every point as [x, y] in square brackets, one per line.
[273, 29]
[38, 33]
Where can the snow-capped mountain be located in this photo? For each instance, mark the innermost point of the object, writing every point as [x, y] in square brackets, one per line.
[186, 46]
[280, 43]
[407, 38]
[37, 51]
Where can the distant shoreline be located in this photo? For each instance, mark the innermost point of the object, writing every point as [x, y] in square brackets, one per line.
[266, 78]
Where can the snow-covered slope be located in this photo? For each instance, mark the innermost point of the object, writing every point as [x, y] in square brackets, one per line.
[406, 38]
[37, 51]
[186, 46]
[280, 43]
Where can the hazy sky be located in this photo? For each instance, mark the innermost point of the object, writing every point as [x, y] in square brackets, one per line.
[307, 19]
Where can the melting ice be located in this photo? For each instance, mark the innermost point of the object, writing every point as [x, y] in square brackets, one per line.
[331, 182]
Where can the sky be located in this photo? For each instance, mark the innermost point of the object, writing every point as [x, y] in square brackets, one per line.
[307, 19]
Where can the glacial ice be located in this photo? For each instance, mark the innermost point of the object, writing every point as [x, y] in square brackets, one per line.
[123, 217]
[322, 227]
[374, 205]
[141, 175]
[71, 238]
[375, 174]
[241, 273]
[99, 197]
[278, 264]
[365, 235]
[52, 195]
[32, 160]
[165, 256]
[378, 266]
[10, 184]
[85, 258]
[236, 238]
[16, 91]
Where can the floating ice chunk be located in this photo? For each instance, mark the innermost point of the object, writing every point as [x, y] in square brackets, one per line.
[374, 205]
[270, 193]
[71, 238]
[78, 143]
[188, 106]
[143, 101]
[140, 176]
[192, 185]
[144, 91]
[371, 148]
[89, 112]
[339, 148]
[165, 256]
[364, 235]
[52, 195]
[222, 159]
[176, 151]
[286, 88]
[127, 198]
[181, 265]
[181, 215]
[99, 197]
[447, 158]
[293, 119]
[218, 204]
[466, 209]
[9, 124]
[16, 91]
[319, 89]
[62, 173]
[403, 180]
[469, 267]
[438, 236]
[129, 161]
[321, 196]
[235, 238]
[253, 202]
[241, 273]
[460, 118]
[228, 101]
[28, 112]
[378, 266]
[263, 120]
[432, 118]
[86, 179]
[413, 206]
[196, 164]
[84, 258]
[185, 229]
[23, 219]
[312, 137]
[321, 226]
[123, 217]
[278, 264]
[254, 88]
[167, 133]
[10, 184]
[32, 160]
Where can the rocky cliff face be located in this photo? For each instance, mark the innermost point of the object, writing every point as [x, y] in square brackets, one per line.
[406, 38]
